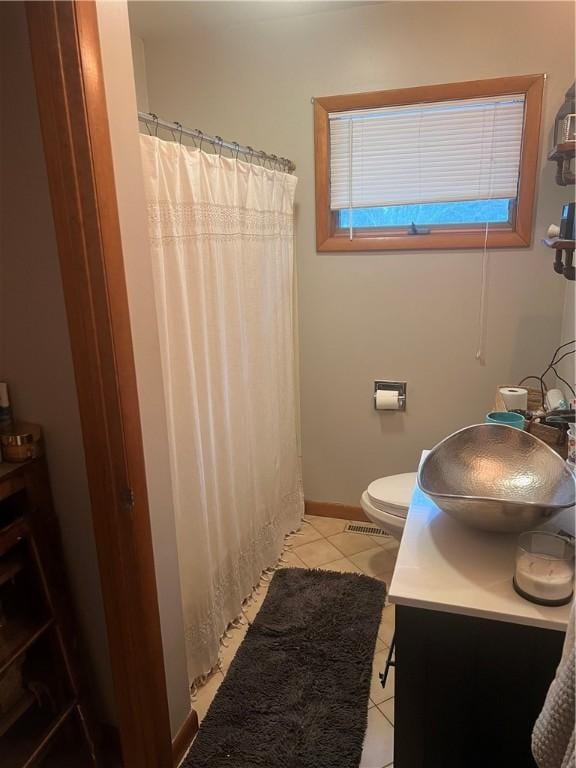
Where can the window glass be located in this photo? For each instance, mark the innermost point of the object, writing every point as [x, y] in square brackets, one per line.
[428, 214]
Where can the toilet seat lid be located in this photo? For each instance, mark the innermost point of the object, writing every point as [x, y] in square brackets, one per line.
[392, 494]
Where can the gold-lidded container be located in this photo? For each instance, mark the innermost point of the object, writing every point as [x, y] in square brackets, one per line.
[21, 441]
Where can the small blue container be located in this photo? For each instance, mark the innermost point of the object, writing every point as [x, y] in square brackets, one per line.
[509, 418]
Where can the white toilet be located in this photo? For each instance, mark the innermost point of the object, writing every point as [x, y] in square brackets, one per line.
[386, 501]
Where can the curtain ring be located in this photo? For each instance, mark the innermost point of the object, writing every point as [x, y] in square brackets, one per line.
[263, 158]
[179, 125]
[250, 154]
[274, 162]
[220, 142]
[201, 136]
[155, 118]
[237, 149]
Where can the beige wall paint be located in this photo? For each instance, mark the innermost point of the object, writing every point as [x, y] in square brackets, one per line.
[121, 102]
[410, 316]
[566, 369]
[140, 78]
[35, 356]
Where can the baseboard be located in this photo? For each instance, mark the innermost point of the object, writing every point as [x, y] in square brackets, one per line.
[181, 742]
[334, 509]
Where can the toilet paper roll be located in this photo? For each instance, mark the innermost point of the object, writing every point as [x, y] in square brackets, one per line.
[514, 398]
[387, 400]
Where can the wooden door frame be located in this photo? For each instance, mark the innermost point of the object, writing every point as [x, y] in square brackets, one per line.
[72, 106]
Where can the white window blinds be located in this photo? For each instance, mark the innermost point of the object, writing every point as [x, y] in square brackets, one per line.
[422, 153]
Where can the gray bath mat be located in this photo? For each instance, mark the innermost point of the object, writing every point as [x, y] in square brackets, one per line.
[296, 694]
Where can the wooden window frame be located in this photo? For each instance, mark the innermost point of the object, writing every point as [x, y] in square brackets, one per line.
[515, 234]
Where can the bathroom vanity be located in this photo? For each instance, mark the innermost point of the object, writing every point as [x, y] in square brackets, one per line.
[473, 659]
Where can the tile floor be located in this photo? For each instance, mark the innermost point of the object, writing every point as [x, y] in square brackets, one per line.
[323, 543]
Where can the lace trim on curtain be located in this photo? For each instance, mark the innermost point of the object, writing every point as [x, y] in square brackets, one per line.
[174, 221]
[203, 632]
[242, 619]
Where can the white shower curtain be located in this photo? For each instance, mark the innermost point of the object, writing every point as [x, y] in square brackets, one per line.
[221, 235]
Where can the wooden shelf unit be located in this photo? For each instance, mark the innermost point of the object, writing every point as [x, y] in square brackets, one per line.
[559, 243]
[565, 150]
[26, 748]
[18, 638]
[563, 266]
[10, 566]
[11, 534]
[36, 632]
[562, 155]
[15, 713]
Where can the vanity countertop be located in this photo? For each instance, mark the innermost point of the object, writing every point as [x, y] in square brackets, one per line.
[443, 565]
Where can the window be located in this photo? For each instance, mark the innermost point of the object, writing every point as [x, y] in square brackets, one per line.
[447, 166]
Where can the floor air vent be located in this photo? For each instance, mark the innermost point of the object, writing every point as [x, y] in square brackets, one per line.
[368, 529]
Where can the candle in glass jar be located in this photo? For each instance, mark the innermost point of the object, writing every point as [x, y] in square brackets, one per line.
[546, 578]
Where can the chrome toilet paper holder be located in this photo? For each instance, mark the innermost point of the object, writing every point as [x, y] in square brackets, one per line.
[392, 386]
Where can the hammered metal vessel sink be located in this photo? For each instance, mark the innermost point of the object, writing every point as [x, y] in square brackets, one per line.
[497, 478]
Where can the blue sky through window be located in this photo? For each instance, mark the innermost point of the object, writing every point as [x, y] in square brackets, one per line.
[428, 214]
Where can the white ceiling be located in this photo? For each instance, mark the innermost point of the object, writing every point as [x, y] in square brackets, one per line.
[151, 19]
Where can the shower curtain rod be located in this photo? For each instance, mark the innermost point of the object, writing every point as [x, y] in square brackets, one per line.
[250, 155]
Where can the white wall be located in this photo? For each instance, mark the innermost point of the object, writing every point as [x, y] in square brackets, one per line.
[140, 77]
[121, 103]
[35, 355]
[567, 366]
[411, 316]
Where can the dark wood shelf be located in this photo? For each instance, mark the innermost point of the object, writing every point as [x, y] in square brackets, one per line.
[11, 536]
[8, 468]
[12, 480]
[559, 244]
[19, 709]
[37, 629]
[560, 151]
[10, 566]
[563, 262]
[26, 742]
[18, 638]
